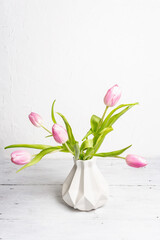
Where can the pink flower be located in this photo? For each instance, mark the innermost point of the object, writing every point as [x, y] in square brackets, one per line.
[35, 119]
[135, 161]
[112, 96]
[20, 157]
[59, 133]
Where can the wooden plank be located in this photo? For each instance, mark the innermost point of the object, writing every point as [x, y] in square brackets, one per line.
[38, 212]
[54, 171]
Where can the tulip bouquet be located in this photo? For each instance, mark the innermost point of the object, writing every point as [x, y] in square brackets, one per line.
[99, 128]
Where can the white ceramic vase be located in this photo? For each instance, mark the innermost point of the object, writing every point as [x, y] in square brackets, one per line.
[85, 188]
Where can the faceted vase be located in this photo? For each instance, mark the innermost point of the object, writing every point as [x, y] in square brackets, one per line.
[85, 188]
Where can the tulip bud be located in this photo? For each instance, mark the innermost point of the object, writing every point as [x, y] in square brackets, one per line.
[135, 161]
[112, 96]
[35, 119]
[59, 133]
[20, 157]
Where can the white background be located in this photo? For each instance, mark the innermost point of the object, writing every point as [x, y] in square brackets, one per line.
[73, 51]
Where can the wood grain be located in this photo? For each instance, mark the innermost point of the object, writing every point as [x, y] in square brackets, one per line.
[32, 208]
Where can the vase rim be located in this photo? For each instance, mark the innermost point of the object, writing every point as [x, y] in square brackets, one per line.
[89, 160]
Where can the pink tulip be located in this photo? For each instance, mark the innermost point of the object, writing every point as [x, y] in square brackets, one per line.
[20, 157]
[35, 119]
[135, 161]
[112, 96]
[59, 133]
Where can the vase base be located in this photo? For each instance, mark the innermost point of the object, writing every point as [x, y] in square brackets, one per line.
[84, 204]
[85, 188]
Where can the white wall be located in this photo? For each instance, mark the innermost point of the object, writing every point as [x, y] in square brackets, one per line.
[73, 51]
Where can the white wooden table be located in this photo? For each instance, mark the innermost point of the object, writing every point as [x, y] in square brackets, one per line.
[31, 206]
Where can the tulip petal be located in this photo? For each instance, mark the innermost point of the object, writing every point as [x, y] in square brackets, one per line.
[40, 155]
[135, 161]
[69, 130]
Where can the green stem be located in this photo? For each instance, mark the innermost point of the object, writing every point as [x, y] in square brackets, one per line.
[100, 122]
[46, 129]
[68, 148]
[118, 157]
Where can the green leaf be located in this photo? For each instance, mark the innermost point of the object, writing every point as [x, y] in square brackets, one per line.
[94, 122]
[65, 149]
[76, 151]
[88, 143]
[89, 153]
[97, 141]
[101, 132]
[107, 119]
[69, 130]
[115, 117]
[49, 136]
[40, 155]
[52, 112]
[35, 146]
[112, 154]
[88, 134]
